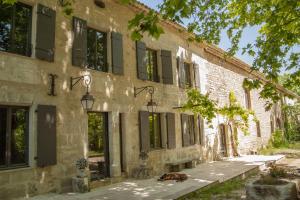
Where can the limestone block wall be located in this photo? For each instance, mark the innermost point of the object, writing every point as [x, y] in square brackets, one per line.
[24, 81]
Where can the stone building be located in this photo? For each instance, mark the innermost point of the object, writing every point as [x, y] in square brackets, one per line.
[44, 129]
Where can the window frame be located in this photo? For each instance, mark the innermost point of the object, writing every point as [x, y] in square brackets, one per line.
[155, 76]
[105, 43]
[191, 130]
[11, 49]
[159, 131]
[7, 164]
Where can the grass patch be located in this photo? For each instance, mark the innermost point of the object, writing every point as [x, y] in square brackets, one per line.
[272, 150]
[223, 190]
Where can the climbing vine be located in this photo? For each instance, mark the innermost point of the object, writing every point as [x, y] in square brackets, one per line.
[236, 116]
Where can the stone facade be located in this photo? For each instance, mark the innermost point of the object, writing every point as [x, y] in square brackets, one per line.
[24, 81]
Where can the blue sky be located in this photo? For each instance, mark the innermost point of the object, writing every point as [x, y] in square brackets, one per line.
[249, 35]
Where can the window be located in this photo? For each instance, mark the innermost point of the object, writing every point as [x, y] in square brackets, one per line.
[155, 131]
[188, 82]
[13, 137]
[258, 131]
[247, 99]
[96, 50]
[15, 28]
[151, 62]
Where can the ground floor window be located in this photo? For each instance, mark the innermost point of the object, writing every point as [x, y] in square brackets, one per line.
[155, 131]
[14, 122]
[188, 130]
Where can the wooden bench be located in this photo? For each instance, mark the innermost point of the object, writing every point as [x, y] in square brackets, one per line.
[177, 166]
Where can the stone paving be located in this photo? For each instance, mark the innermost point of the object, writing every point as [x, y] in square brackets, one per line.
[201, 176]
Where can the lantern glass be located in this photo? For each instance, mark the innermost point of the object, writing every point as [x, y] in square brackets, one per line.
[87, 102]
[151, 106]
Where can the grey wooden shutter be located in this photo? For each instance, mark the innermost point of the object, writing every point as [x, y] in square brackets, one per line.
[117, 53]
[144, 131]
[185, 130]
[79, 50]
[181, 72]
[46, 135]
[171, 131]
[141, 60]
[201, 130]
[167, 71]
[197, 129]
[191, 130]
[196, 76]
[163, 130]
[45, 33]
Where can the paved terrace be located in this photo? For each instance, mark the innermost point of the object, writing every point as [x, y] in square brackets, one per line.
[201, 176]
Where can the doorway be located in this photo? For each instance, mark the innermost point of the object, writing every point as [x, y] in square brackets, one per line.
[223, 141]
[98, 139]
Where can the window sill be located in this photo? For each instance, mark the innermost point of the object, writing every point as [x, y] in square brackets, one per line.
[17, 55]
[156, 150]
[15, 169]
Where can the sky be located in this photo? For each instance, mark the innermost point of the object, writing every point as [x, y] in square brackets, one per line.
[249, 35]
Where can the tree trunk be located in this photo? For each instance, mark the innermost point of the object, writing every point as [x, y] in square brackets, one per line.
[233, 138]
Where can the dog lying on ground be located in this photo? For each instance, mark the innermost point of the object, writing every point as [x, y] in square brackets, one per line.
[173, 176]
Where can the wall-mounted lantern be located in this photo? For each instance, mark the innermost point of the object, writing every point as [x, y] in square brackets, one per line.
[87, 100]
[151, 105]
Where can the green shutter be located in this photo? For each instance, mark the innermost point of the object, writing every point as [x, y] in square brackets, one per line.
[167, 70]
[45, 33]
[141, 60]
[117, 53]
[144, 131]
[79, 49]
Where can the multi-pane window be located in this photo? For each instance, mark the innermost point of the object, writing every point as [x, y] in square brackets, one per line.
[188, 130]
[188, 81]
[247, 99]
[15, 28]
[13, 137]
[96, 50]
[151, 62]
[155, 131]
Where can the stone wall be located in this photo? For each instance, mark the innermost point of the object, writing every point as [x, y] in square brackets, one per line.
[24, 81]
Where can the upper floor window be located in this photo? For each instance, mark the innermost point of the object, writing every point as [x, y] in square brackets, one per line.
[151, 62]
[96, 50]
[247, 99]
[15, 28]
[155, 131]
[13, 136]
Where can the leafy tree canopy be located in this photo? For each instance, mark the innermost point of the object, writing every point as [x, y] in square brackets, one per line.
[276, 48]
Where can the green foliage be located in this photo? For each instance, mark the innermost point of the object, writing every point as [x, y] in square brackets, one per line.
[200, 104]
[292, 122]
[236, 114]
[273, 50]
[277, 172]
[142, 23]
[277, 140]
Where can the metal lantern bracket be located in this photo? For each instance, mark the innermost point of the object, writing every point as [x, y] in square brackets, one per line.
[75, 80]
[149, 89]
